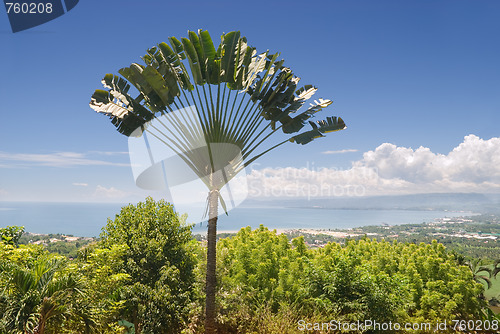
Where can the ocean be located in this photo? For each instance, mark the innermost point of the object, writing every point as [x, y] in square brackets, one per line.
[87, 219]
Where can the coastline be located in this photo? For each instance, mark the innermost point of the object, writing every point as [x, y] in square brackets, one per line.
[87, 220]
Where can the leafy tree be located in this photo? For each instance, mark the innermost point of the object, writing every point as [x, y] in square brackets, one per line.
[261, 276]
[24, 255]
[149, 250]
[100, 310]
[342, 283]
[440, 289]
[11, 234]
[233, 125]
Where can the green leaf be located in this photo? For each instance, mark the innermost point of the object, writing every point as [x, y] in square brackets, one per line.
[169, 54]
[305, 92]
[321, 127]
[256, 66]
[193, 37]
[194, 63]
[292, 125]
[212, 64]
[277, 95]
[207, 44]
[229, 45]
[177, 71]
[177, 47]
[125, 113]
[158, 84]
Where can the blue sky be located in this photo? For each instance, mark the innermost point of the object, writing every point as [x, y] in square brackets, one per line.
[414, 81]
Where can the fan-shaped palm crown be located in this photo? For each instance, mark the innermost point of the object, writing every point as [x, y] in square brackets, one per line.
[240, 99]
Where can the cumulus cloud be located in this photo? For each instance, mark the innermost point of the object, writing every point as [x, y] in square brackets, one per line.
[475, 161]
[472, 166]
[80, 184]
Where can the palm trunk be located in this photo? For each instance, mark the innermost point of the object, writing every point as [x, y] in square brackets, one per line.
[213, 202]
[40, 328]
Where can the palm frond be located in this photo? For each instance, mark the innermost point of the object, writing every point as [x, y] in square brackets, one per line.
[319, 129]
[240, 98]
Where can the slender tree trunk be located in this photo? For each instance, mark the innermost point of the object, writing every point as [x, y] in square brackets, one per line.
[213, 202]
[135, 320]
[40, 327]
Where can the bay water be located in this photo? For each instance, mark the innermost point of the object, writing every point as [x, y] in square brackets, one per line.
[87, 219]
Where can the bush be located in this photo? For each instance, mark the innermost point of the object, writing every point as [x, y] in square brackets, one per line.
[263, 278]
[159, 259]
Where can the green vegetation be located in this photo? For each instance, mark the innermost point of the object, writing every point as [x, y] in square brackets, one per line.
[66, 245]
[264, 275]
[158, 258]
[146, 275]
[11, 234]
[140, 272]
[40, 296]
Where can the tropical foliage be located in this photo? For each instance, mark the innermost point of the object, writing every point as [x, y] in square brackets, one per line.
[11, 234]
[263, 274]
[141, 272]
[40, 291]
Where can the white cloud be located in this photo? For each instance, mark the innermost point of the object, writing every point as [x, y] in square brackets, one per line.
[109, 153]
[340, 151]
[79, 184]
[109, 193]
[59, 159]
[474, 161]
[472, 166]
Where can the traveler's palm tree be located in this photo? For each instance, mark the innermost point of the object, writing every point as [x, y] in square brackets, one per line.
[244, 101]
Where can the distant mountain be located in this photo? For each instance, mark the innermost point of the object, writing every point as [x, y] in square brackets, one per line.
[481, 203]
